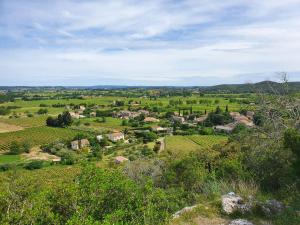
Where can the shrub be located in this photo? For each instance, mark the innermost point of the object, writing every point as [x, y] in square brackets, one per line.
[42, 111]
[37, 164]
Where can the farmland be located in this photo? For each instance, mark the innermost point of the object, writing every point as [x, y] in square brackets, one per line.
[26, 122]
[182, 145]
[35, 136]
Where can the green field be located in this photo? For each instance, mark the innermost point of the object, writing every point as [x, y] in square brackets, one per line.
[34, 105]
[35, 136]
[9, 159]
[182, 145]
[110, 123]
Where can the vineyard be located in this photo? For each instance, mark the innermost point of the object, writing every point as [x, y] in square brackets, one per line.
[35, 136]
[208, 141]
[26, 122]
[181, 145]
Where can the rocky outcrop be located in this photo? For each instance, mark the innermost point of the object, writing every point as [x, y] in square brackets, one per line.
[272, 207]
[240, 222]
[232, 202]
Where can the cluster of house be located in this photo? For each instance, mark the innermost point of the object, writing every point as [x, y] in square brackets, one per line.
[126, 114]
[238, 118]
[184, 120]
[114, 137]
[78, 113]
[83, 143]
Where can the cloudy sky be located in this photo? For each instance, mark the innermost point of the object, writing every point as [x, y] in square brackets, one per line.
[141, 42]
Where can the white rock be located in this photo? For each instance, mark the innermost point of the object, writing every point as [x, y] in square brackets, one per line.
[240, 222]
[231, 202]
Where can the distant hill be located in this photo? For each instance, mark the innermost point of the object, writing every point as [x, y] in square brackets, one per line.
[264, 86]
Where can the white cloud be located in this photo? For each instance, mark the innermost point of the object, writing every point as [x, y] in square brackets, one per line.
[133, 41]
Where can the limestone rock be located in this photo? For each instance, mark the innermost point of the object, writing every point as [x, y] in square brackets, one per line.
[240, 222]
[231, 202]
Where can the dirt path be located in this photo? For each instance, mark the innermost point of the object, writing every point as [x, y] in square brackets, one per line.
[163, 144]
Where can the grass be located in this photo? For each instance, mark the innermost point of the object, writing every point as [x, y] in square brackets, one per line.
[35, 136]
[182, 145]
[110, 123]
[9, 159]
[208, 141]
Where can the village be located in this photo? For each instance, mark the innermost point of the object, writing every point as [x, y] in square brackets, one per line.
[156, 125]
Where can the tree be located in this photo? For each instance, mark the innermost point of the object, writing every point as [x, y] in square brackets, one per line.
[15, 148]
[67, 118]
[42, 111]
[51, 122]
[62, 120]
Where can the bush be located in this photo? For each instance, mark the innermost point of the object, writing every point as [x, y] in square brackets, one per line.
[42, 111]
[15, 148]
[5, 167]
[37, 164]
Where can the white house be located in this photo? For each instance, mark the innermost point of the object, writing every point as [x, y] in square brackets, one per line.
[78, 144]
[115, 136]
[228, 128]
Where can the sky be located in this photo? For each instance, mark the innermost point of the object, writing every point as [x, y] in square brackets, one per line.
[143, 42]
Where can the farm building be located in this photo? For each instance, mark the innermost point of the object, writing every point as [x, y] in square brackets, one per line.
[74, 115]
[200, 119]
[151, 120]
[115, 136]
[158, 128]
[179, 119]
[142, 111]
[120, 159]
[78, 144]
[226, 128]
[124, 114]
[241, 119]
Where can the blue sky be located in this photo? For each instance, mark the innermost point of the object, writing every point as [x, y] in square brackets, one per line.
[157, 42]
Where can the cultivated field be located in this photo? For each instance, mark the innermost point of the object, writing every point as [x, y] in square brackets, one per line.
[26, 122]
[182, 145]
[35, 136]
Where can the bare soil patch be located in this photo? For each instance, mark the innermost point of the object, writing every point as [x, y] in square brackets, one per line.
[37, 154]
[5, 127]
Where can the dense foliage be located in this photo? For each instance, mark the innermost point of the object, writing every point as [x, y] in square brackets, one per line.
[62, 120]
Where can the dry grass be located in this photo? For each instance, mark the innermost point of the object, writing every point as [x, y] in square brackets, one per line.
[5, 127]
[37, 154]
